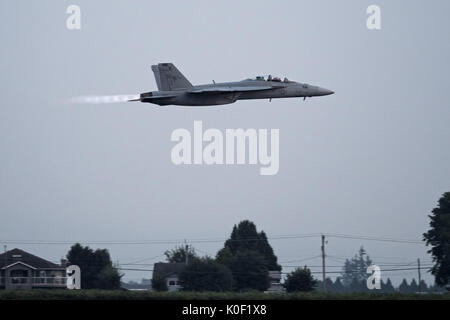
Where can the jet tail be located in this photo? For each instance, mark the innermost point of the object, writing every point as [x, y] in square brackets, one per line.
[169, 78]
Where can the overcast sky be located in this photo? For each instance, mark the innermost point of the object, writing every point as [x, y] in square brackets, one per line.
[370, 160]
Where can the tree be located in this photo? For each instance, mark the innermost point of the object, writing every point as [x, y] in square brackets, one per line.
[178, 255]
[357, 286]
[159, 284]
[108, 278]
[404, 287]
[413, 286]
[249, 256]
[97, 270]
[338, 286]
[387, 287]
[423, 287]
[300, 280]
[248, 268]
[328, 284]
[355, 270]
[438, 237]
[245, 237]
[436, 288]
[205, 274]
[83, 257]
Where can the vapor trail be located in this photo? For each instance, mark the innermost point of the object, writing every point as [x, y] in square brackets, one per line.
[95, 99]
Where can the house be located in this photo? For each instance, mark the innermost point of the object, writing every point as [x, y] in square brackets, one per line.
[26, 271]
[275, 284]
[169, 272]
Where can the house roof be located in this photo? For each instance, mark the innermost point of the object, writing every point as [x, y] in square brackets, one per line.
[22, 263]
[163, 270]
[16, 255]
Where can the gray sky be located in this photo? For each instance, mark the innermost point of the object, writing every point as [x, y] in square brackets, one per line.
[371, 160]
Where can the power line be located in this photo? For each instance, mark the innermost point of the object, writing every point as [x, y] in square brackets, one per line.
[253, 272]
[210, 240]
[343, 259]
[305, 259]
[341, 266]
[146, 259]
[356, 237]
[427, 265]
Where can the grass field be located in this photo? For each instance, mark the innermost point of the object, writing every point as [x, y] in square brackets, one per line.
[145, 295]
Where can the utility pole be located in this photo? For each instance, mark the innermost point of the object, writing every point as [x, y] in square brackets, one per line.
[324, 285]
[420, 277]
[186, 252]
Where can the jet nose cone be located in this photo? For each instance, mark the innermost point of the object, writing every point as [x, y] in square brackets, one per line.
[324, 92]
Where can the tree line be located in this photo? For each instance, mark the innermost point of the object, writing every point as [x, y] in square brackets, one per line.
[386, 287]
[247, 257]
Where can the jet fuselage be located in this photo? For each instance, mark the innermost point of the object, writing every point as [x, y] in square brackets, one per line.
[175, 89]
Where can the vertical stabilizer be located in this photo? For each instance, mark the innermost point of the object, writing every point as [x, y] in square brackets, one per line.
[169, 78]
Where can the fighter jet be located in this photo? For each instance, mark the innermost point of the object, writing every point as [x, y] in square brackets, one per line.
[175, 89]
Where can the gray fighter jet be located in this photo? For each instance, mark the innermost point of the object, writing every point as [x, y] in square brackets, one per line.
[175, 89]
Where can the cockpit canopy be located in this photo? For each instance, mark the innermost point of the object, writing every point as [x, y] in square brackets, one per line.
[269, 78]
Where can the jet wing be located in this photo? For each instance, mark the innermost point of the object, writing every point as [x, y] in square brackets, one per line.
[230, 89]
